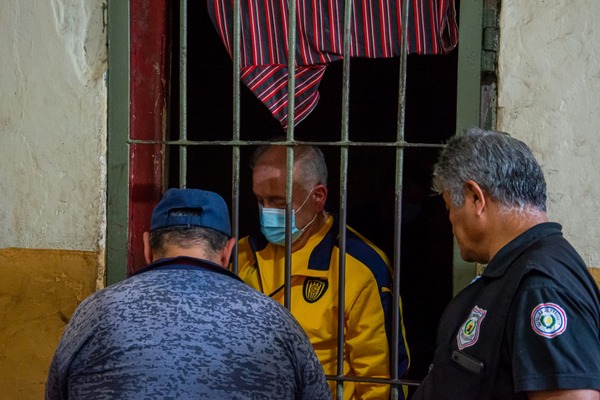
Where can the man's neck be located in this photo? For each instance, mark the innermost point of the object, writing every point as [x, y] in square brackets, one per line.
[315, 227]
[511, 224]
[194, 252]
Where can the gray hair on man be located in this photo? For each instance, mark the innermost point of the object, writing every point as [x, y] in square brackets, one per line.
[504, 167]
[309, 160]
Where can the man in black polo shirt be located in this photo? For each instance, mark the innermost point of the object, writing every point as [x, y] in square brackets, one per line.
[529, 326]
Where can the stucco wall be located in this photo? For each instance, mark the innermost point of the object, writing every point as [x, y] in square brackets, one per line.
[549, 96]
[52, 123]
[52, 177]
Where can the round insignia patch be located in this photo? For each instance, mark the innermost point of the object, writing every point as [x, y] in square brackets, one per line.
[548, 320]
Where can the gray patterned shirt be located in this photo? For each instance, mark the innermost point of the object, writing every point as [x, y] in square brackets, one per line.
[184, 332]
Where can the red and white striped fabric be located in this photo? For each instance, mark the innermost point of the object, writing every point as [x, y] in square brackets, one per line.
[375, 33]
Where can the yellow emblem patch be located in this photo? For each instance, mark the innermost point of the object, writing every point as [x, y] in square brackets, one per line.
[313, 289]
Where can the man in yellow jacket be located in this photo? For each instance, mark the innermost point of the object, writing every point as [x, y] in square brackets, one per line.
[315, 268]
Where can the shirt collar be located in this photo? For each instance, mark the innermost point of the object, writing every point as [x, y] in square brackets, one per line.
[507, 255]
[184, 262]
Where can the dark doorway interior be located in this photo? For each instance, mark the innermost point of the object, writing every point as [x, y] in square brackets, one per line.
[426, 251]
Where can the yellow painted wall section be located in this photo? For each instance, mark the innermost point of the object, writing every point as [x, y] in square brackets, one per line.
[39, 291]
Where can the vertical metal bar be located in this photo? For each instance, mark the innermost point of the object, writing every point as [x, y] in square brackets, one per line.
[291, 68]
[345, 136]
[235, 158]
[342, 266]
[398, 198]
[183, 24]
[289, 179]
[290, 150]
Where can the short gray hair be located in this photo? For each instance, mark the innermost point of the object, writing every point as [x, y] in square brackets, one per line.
[504, 167]
[308, 159]
[210, 240]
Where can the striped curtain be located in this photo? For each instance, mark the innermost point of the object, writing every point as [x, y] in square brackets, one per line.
[375, 33]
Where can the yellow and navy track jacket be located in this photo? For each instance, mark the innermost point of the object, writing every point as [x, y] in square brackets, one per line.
[314, 302]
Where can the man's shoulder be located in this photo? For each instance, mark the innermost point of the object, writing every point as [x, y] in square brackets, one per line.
[116, 293]
[252, 243]
[244, 241]
[553, 258]
[105, 294]
[365, 251]
[245, 255]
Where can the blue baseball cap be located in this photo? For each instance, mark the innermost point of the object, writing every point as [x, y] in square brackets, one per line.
[191, 207]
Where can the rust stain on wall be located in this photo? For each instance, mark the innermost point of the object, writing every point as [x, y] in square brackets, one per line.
[39, 292]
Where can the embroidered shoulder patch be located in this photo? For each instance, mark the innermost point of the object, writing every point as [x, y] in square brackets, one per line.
[548, 320]
[313, 289]
[468, 334]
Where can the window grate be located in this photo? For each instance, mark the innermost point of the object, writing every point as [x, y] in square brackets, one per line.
[185, 139]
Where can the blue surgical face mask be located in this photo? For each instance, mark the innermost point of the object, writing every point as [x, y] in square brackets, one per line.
[272, 223]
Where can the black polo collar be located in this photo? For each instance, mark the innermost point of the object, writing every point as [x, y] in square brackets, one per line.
[498, 266]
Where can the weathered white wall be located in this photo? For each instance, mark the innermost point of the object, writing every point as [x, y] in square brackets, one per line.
[52, 123]
[549, 96]
[53, 110]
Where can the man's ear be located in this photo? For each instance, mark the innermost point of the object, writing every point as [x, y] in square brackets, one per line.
[226, 254]
[320, 194]
[147, 249]
[475, 194]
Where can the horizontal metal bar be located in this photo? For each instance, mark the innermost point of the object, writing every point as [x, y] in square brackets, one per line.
[407, 382]
[283, 143]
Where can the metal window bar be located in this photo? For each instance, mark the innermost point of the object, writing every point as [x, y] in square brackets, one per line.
[183, 28]
[235, 189]
[398, 199]
[290, 152]
[343, 197]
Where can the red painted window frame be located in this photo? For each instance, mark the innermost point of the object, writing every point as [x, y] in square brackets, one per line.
[150, 44]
